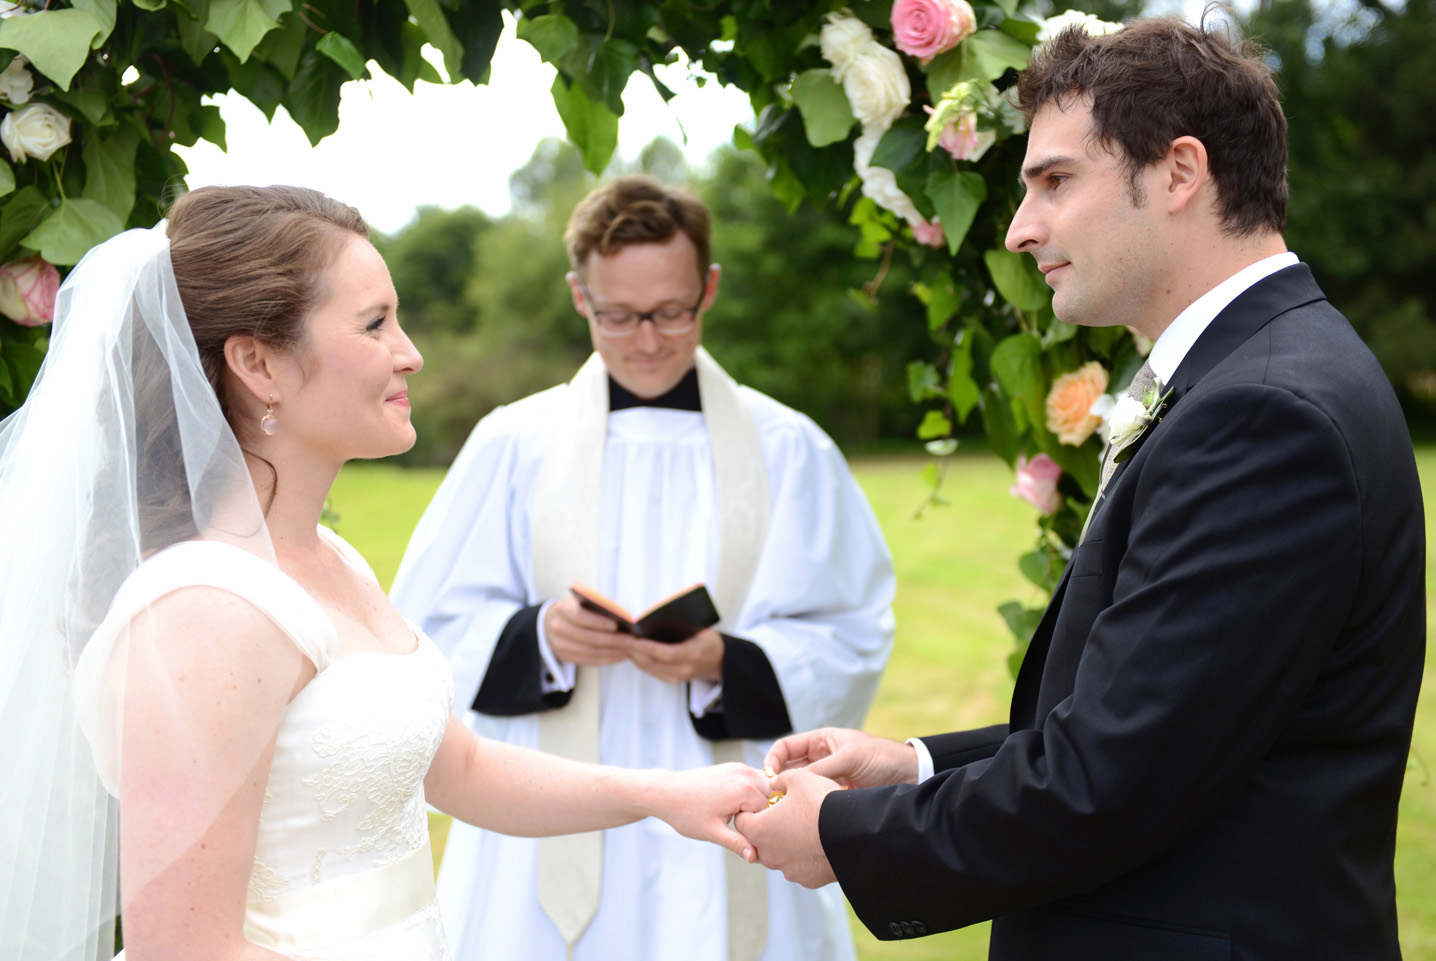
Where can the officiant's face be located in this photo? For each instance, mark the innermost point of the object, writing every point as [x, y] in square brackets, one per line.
[1095, 237]
[646, 277]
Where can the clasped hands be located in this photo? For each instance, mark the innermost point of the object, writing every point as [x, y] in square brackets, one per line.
[580, 636]
[806, 768]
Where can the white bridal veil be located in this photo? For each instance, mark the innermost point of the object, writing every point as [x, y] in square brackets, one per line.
[120, 450]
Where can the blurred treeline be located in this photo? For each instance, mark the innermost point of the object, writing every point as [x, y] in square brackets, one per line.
[485, 300]
[802, 318]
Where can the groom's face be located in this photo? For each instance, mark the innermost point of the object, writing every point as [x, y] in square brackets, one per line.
[1094, 236]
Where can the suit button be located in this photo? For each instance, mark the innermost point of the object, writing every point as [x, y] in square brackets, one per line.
[919, 928]
[907, 928]
[895, 928]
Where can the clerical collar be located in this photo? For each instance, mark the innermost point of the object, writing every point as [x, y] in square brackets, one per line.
[683, 396]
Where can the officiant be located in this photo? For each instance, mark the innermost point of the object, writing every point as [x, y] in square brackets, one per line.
[648, 472]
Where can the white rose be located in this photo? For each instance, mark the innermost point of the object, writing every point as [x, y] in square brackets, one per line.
[877, 87]
[1128, 419]
[878, 182]
[1052, 26]
[16, 82]
[841, 40]
[36, 130]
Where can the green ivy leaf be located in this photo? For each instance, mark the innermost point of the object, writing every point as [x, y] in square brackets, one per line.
[945, 70]
[941, 299]
[7, 178]
[342, 51]
[1024, 30]
[934, 425]
[57, 42]
[431, 20]
[1001, 428]
[956, 196]
[592, 127]
[110, 170]
[313, 97]
[1017, 279]
[19, 216]
[195, 40]
[93, 105]
[1016, 364]
[922, 381]
[552, 35]
[241, 24]
[988, 54]
[827, 115]
[104, 13]
[284, 47]
[76, 225]
[962, 387]
[1058, 333]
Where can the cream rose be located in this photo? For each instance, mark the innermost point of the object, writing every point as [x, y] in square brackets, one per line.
[35, 130]
[879, 184]
[841, 40]
[877, 87]
[926, 28]
[16, 82]
[1069, 403]
[1052, 26]
[27, 291]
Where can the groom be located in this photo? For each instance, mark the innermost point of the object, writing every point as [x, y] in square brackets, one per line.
[1208, 736]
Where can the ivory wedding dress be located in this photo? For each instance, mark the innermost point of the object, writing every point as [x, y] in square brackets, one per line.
[342, 868]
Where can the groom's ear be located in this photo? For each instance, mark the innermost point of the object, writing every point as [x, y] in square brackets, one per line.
[1185, 174]
[252, 365]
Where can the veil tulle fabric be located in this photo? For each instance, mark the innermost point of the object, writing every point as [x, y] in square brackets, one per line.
[120, 451]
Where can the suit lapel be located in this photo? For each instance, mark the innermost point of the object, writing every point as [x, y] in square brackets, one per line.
[1249, 312]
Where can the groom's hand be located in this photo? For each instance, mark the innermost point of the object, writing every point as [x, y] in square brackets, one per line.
[786, 833]
[851, 758]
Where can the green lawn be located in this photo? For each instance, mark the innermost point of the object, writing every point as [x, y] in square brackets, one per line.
[954, 565]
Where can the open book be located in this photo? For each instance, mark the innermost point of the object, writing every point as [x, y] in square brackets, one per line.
[673, 619]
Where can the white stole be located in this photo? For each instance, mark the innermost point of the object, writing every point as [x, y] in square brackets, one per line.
[565, 549]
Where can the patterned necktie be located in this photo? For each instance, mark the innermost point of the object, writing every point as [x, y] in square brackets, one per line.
[1145, 386]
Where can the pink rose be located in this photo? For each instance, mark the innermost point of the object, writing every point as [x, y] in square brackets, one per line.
[27, 291]
[1037, 483]
[928, 233]
[926, 28]
[962, 139]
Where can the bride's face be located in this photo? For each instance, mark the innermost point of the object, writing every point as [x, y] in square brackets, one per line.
[349, 397]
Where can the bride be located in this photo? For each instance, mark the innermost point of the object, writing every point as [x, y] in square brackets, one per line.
[179, 633]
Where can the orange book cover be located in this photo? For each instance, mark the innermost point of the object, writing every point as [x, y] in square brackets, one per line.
[673, 619]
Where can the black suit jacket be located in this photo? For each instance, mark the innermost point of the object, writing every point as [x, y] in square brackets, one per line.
[1209, 732]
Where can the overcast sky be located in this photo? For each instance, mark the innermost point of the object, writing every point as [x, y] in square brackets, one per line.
[449, 144]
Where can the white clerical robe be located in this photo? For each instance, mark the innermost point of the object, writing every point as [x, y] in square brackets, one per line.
[819, 608]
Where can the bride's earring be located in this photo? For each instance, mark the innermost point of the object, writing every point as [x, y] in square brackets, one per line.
[267, 423]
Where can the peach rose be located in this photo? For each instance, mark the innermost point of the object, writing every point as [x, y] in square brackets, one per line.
[926, 28]
[1069, 403]
[27, 291]
[1037, 483]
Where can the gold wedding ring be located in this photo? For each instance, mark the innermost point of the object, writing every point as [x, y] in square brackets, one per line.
[774, 798]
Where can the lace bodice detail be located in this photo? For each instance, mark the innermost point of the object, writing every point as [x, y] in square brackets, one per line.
[344, 812]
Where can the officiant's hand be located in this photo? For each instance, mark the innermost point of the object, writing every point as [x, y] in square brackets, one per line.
[579, 636]
[851, 758]
[785, 834]
[700, 657]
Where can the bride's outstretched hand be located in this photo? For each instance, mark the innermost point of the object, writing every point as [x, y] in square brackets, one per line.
[700, 803]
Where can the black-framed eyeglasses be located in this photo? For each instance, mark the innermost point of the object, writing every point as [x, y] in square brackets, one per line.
[670, 319]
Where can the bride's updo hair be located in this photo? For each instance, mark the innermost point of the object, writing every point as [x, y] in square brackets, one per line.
[253, 260]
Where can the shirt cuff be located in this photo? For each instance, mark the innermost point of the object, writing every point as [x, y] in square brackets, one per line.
[557, 675]
[924, 759]
[704, 697]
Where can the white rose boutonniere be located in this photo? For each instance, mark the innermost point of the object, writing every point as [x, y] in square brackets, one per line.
[1129, 418]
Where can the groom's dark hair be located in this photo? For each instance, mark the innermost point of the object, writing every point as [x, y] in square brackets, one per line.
[1161, 78]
